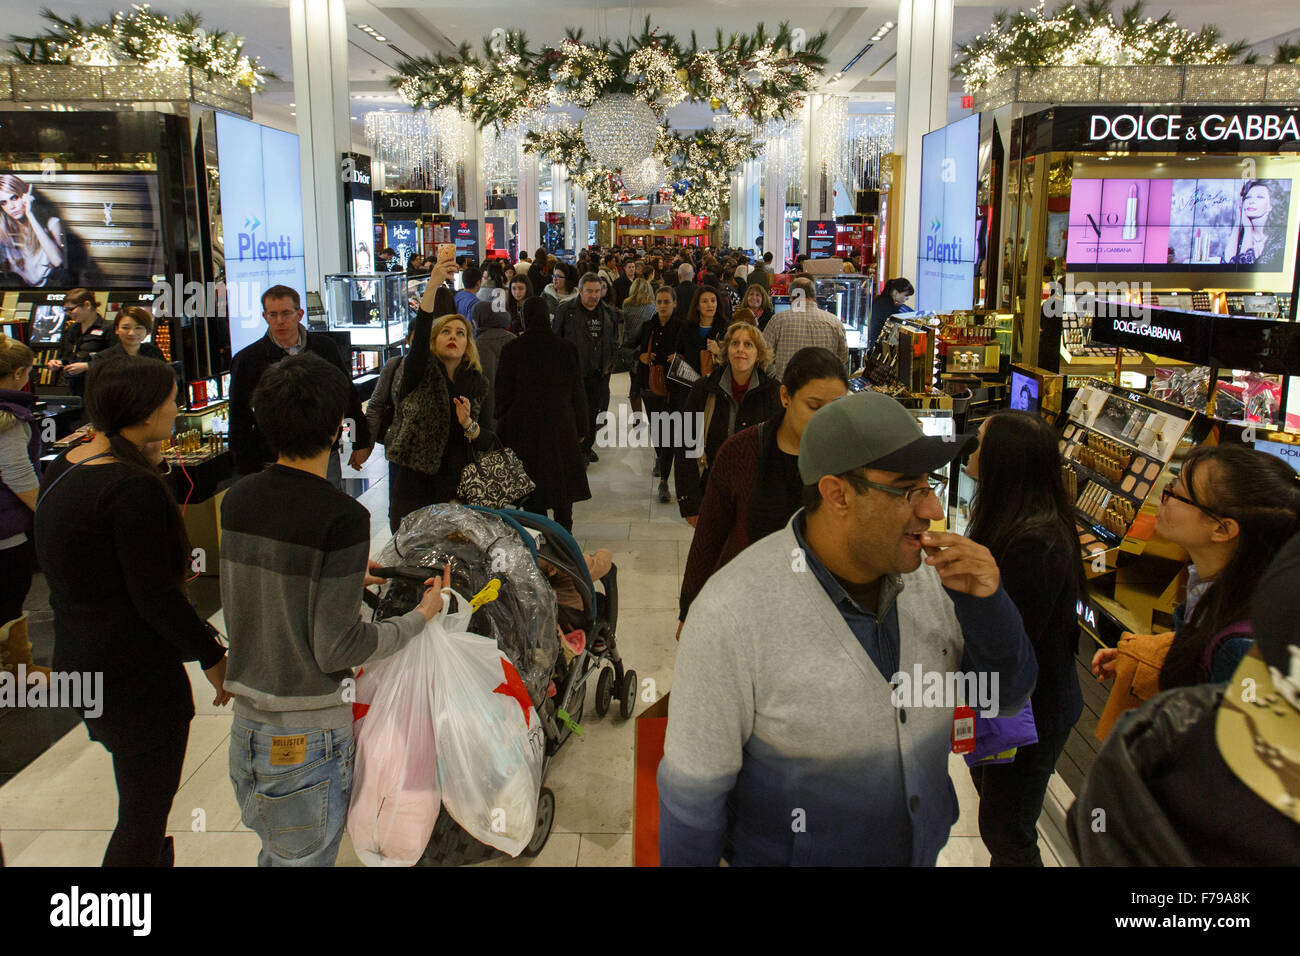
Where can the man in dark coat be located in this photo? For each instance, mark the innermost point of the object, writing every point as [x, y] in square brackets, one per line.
[588, 323]
[541, 412]
[285, 335]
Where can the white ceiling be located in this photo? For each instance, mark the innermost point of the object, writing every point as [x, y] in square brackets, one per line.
[416, 27]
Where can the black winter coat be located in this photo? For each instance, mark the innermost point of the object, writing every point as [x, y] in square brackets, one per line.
[246, 368]
[1168, 797]
[541, 410]
[762, 400]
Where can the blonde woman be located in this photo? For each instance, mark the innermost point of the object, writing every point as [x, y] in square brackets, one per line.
[438, 394]
[638, 309]
[738, 394]
[30, 249]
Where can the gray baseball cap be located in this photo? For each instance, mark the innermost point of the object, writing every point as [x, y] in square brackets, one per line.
[871, 430]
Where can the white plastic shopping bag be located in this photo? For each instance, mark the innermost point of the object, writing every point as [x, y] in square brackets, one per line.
[490, 740]
[395, 796]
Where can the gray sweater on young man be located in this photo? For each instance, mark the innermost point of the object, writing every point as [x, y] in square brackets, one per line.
[293, 561]
[784, 747]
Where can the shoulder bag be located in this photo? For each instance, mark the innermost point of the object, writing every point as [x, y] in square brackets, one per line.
[494, 479]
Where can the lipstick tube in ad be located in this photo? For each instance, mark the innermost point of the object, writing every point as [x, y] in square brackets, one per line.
[1131, 213]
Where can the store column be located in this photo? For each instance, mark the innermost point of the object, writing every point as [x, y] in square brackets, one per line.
[560, 196]
[921, 104]
[817, 190]
[745, 186]
[318, 34]
[471, 200]
[775, 183]
[530, 218]
[580, 234]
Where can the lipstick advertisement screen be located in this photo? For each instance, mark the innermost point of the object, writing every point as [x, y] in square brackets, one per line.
[1185, 224]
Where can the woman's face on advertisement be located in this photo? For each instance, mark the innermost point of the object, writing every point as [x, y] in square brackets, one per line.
[1257, 204]
[12, 204]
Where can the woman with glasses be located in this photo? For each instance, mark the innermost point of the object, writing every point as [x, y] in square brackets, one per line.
[1024, 516]
[563, 286]
[1231, 508]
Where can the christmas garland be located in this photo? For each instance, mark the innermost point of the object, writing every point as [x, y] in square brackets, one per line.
[141, 37]
[1086, 36]
[756, 75]
[699, 166]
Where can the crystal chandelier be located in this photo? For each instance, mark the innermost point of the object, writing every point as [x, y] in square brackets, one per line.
[620, 131]
[646, 177]
[419, 148]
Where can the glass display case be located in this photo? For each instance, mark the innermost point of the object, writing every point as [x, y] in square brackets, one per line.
[375, 311]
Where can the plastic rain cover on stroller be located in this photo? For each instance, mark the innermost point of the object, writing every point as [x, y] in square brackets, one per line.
[480, 547]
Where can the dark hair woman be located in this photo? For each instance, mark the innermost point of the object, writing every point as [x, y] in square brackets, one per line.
[521, 288]
[1023, 515]
[20, 477]
[438, 390]
[541, 409]
[734, 396]
[1256, 241]
[117, 587]
[890, 302]
[650, 377]
[132, 326]
[754, 485]
[563, 286]
[703, 327]
[1231, 509]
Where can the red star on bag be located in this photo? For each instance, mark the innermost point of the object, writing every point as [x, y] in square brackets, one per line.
[514, 687]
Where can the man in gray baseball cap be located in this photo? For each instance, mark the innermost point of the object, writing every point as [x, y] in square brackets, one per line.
[794, 735]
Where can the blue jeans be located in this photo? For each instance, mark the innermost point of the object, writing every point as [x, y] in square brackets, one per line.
[298, 810]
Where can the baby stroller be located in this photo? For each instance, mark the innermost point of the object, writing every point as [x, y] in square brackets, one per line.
[513, 547]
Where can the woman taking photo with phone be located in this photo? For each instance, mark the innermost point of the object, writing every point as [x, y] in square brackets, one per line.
[117, 588]
[438, 392]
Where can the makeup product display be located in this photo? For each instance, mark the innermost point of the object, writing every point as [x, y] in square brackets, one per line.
[1115, 443]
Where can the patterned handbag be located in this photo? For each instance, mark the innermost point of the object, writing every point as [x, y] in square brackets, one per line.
[494, 479]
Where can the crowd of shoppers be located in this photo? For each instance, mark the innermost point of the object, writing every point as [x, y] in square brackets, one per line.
[813, 580]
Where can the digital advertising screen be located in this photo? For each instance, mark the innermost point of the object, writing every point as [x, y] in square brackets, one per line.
[361, 212]
[465, 235]
[1184, 225]
[62, 230]
[1024, 392]
[946, 252]
[821, 239]
[403, 238]
[47, 322]
[261, 220]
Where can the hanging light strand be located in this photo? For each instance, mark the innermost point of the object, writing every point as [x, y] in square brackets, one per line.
[420, 148]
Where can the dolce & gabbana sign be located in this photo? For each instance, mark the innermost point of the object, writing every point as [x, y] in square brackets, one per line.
[1176, 129]
[1250, 127]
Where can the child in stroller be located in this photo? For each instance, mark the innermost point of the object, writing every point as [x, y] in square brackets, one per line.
[532, 559]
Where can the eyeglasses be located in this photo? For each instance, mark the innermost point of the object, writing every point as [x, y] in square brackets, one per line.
[1168, 492]
[934, 483]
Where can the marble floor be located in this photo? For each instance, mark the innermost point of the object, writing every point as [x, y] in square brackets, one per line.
[60, 810]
